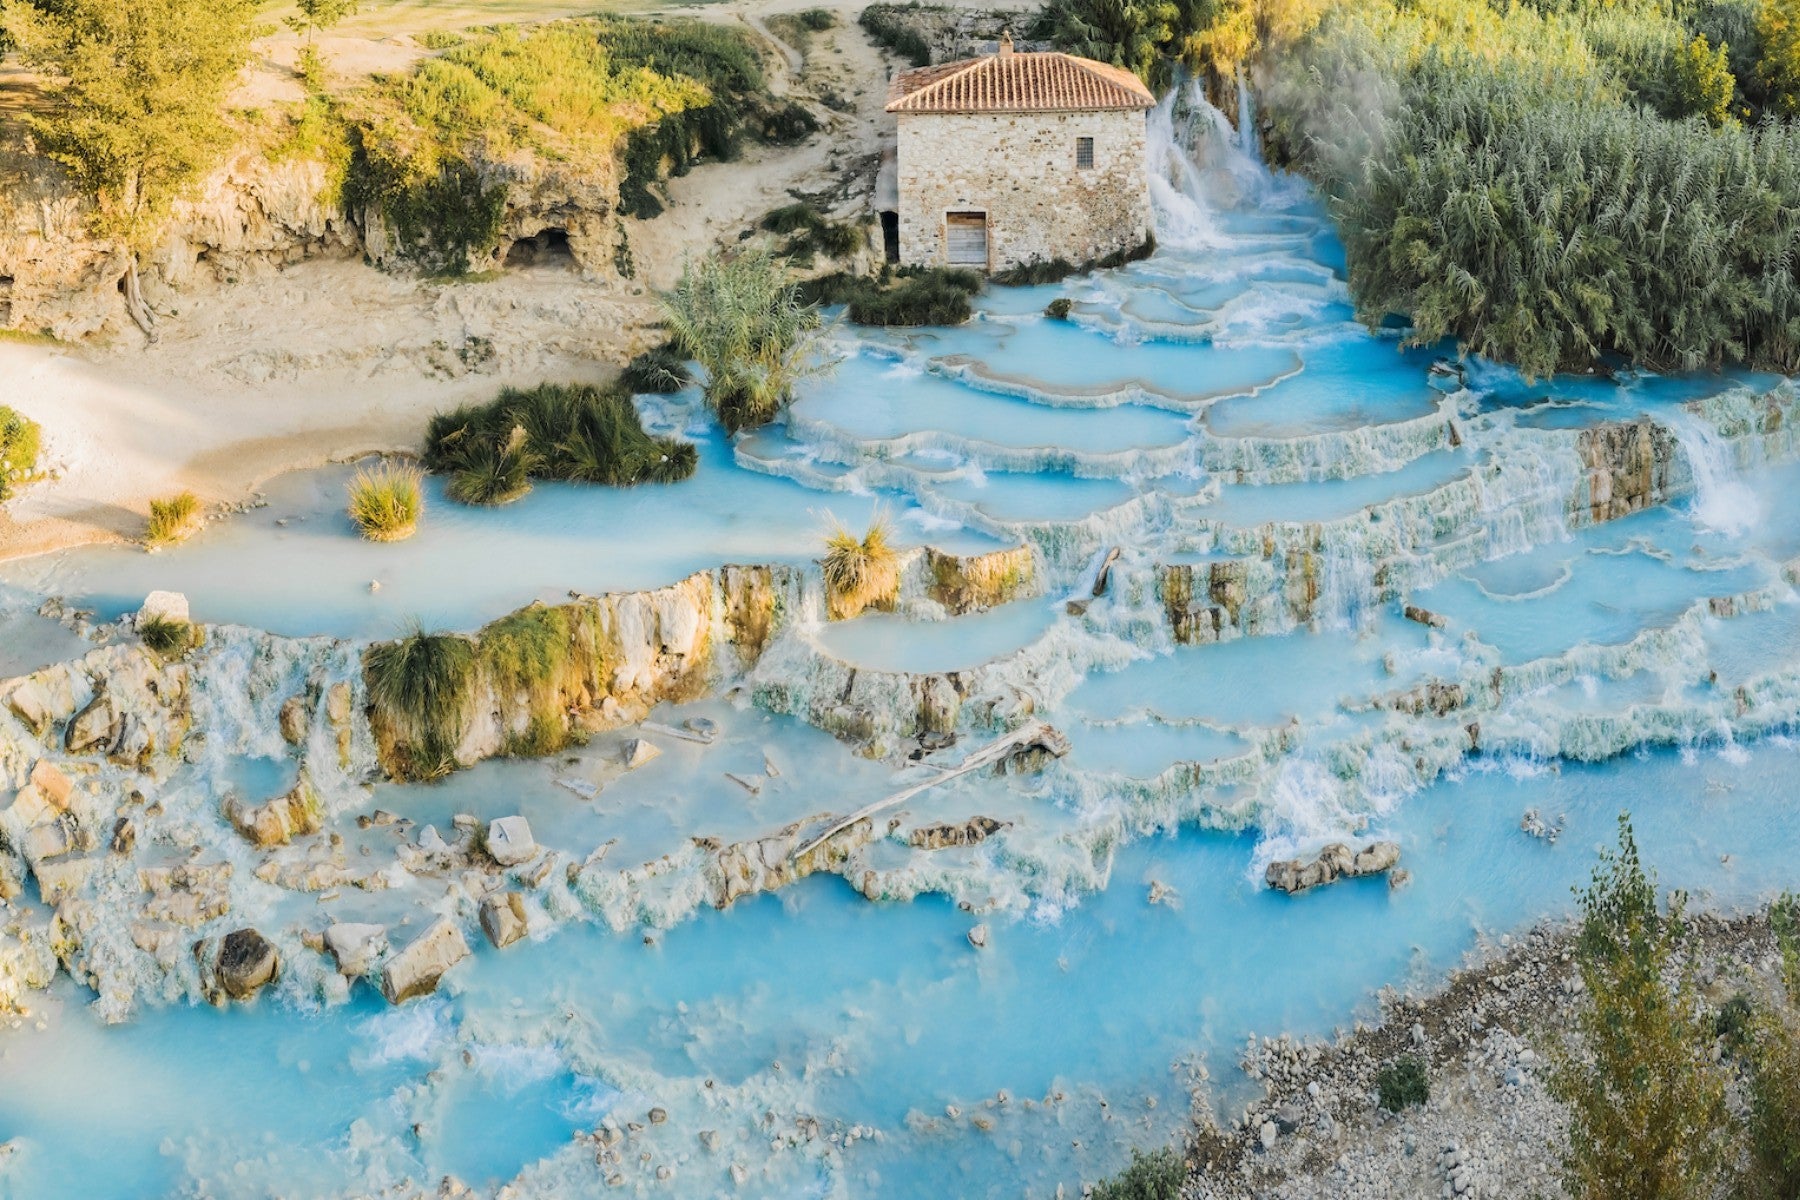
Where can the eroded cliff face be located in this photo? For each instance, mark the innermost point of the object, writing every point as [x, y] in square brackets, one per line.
[254, 216]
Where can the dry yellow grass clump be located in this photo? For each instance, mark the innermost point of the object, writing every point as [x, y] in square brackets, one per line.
[386, 501]
[173, 519]
[860, 573]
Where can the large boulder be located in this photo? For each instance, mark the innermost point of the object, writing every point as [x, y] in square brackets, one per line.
[938, 837]
[503, 918]
[509, 841]
[167, 606]
[247, 963]
[416, 970]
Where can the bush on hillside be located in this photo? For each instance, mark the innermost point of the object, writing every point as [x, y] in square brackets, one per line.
[887, 26]
[420, 689]
[1403, 1083]
[1158, 1175]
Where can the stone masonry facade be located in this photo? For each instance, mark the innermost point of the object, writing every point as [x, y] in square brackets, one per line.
[1020, 169]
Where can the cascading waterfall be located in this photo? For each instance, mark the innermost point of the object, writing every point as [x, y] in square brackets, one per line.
[1723, 502]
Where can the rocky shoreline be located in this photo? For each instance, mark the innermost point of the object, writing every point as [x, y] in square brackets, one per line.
[1489, 1129]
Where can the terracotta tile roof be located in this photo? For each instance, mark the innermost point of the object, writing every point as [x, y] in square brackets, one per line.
[1014, 82]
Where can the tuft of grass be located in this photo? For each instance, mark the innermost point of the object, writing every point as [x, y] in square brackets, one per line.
[490, 473]
[168, 638]
[935, 296]
[811, 232]
[20, 440]
[386, 501]
[656, 372]
[173, 519]
[1059, 308]
[421, 689]
[578, 433]
[860, 572]
[1154, 1176]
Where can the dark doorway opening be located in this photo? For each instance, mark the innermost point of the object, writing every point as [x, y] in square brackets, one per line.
[550, 248]
[890, 235]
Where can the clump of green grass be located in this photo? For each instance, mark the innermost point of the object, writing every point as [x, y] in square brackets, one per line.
[441, 39]
[797, 28]
[421, 689]
[173, 519]
[167, 637]
[656, 372]
[20, 440]
[860, 572]
[1158, 1175]
[910, 296]
[1403, 1083]
[386, 501]
[1059, 308]
[1043, 271]
[578, 433]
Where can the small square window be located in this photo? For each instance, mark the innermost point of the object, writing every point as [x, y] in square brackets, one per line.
[1084, 153]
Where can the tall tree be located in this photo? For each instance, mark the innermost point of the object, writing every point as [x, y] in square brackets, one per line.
[137, 90]
[1647, 1116]
[1778, 28]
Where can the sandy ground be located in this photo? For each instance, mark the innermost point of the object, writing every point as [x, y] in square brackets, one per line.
[328, 360]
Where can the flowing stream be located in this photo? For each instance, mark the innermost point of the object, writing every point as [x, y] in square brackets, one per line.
[1605, 565]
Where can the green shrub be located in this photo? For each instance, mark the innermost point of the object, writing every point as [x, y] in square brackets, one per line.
[799, 217]
[931, 296]
[840, 241]
[887, 26]
[1158, 1175]
[420, 691]
[19, 447]
[386, 501]
[742, 320]
[1732, 1024]
[441, 39]
[1403, 1083]
[789, 124]
[658, 371]
[173, 519]
[1036, 273]
[576, 433]
[1059, 308]
[168, 638]
[810, 231]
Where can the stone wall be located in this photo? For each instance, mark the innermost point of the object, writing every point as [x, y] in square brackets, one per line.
[1019, 168]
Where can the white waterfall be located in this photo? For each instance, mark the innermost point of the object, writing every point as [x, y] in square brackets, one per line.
[1201, 166]
[1247, 139]
[1723, 502]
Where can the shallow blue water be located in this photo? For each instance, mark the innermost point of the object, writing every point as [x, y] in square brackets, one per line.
[1092, 1009]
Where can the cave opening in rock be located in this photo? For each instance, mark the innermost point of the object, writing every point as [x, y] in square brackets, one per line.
[549, 248]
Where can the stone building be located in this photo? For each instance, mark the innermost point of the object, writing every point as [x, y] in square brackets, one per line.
[1017, 157]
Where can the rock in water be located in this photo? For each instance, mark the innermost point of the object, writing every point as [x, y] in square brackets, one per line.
[638, 752]
[509, 841]
[247, 963]
[978, 937]
[1333, 863]
[170, 606]
[416, 970]
[356, 947]
[503, 918]
[293, 720]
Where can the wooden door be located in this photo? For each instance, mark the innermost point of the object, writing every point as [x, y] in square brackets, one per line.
[966, 239]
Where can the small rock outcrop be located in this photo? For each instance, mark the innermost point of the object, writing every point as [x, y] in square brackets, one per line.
[1334, 862]
[503, 918]
[281, 820]
[415, 970]
[356, 947]
[509, 841]
[939, 837]
[247, 963]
